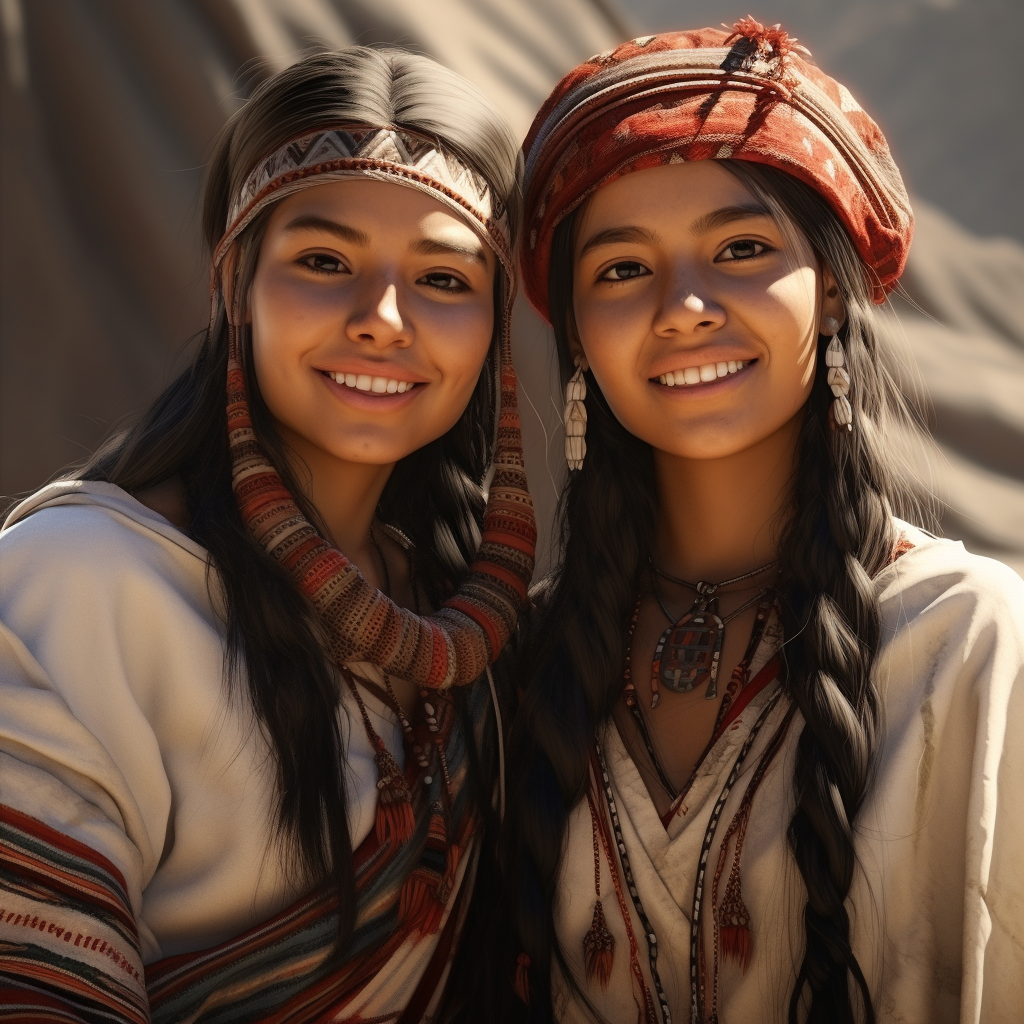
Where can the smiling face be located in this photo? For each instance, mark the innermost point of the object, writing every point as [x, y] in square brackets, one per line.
[372, 311]
[698, 313]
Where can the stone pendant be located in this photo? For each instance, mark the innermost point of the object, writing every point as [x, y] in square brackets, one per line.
[690, 649]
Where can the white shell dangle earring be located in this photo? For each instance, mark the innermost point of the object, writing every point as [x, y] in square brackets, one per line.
[575, 416]
[838, 379]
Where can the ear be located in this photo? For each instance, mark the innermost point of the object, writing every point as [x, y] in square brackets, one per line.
[832, 305]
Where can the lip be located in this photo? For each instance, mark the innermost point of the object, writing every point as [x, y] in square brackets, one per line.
[370, 400]
[710, 387]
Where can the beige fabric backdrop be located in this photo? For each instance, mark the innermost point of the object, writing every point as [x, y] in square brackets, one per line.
[107, 110]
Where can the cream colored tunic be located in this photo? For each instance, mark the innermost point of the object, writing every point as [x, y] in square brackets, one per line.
[938, 899]
[116, 727]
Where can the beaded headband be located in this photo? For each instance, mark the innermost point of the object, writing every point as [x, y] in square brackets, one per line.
[455, 645]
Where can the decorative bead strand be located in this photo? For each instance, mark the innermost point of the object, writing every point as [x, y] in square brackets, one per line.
[838, 379]
[574, 417]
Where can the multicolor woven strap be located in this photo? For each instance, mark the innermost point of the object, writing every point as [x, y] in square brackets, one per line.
[455, 645]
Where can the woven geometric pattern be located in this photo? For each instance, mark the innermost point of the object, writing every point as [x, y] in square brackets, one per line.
[749, 94]
[413, 159]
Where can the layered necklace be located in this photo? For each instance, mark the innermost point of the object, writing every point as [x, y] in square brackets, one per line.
[694, 644]
[691, 647]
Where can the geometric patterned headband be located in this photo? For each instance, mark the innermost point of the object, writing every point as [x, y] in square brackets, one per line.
[412, 159]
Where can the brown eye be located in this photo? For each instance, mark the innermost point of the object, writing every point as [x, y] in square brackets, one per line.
[444, 282]
[323, 263]
[625, 271]
[744, 249]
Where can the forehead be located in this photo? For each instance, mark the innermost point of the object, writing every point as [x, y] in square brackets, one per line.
[377, 208]
[669, 191]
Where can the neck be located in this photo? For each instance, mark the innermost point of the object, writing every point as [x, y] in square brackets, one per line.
[346, 496]
[720, 518]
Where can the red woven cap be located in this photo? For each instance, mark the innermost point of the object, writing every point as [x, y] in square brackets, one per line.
[749, 94]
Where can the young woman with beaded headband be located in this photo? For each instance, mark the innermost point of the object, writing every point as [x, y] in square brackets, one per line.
[249, 732]
[768, 758]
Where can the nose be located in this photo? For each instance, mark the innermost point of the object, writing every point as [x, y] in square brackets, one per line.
[378, 320]
[688, 310]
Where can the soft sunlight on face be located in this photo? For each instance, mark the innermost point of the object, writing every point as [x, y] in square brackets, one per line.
[681, 276]
[372, 313]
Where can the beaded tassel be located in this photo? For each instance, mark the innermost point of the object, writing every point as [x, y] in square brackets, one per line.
[598, 943]
[841, 413]
[395, 819]
[574, 418]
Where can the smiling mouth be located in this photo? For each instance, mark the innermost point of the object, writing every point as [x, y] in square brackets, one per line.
[372, 385]
[706, 374]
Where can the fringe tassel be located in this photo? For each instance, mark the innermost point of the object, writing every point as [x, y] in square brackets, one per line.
[735, 938]
[599, 949]
[395, 819]
[522, 982]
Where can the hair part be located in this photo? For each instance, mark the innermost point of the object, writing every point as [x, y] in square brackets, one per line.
[275, 653]
[839, 535]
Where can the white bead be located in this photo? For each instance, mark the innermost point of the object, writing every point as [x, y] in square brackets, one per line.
[575, 411]
[834, 353]
[575, 450]
[575, 428]
[576, 390]
[842, 411]
[839, 381]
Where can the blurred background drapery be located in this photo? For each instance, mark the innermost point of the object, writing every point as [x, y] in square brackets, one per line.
[108, 109]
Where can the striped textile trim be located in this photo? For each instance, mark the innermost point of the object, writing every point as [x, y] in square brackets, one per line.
[67, 932]
[452, 647]
[279, 971]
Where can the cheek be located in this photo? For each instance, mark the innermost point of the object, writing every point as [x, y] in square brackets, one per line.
[790, 319]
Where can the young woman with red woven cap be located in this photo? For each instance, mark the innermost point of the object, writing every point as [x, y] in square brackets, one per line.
[249, 733]
[769, 753]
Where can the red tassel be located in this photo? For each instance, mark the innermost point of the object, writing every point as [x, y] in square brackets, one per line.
[395, 819]
[599, 949]
[522, 982]
[737, 944]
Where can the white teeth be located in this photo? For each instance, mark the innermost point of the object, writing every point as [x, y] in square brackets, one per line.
[375, 385]
[701, 374]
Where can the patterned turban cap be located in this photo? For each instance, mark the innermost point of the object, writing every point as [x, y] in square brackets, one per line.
[749, 94]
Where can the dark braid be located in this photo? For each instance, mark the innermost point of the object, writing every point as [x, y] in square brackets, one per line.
[839, 535]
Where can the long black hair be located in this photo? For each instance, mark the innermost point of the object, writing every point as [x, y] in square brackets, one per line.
[434, 495]
[839, 534]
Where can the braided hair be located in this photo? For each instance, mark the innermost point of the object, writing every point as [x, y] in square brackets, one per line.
[839, 534]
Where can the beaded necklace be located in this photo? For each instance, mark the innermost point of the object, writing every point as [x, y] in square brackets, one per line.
[739, 678]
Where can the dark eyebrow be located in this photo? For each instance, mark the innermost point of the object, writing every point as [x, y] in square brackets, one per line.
[611, 236]
[342, 231]
[726, 215]
[436, 247]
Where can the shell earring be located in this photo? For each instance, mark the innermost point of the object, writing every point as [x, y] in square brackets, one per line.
[838, 379]
[575, 417]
